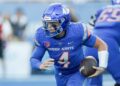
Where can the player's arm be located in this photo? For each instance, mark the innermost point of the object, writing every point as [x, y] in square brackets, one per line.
[102, 56]
[37, 56]
[96, 42]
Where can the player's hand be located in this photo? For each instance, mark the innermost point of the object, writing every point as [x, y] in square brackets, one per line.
[99, 70]
[47, 64]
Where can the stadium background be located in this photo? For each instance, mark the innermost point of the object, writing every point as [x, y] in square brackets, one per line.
[17, 71]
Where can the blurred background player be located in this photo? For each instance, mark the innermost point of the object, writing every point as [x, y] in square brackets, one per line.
[1, 45]
[19, 22]
[106, 23]
[2, 65]
[5, 36]
[7, 28]
[64, 40]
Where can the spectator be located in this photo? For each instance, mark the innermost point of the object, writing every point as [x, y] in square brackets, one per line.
[19, 23]
[7, 28]
[1, 48]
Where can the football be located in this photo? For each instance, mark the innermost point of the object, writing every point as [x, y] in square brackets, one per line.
[86, 66]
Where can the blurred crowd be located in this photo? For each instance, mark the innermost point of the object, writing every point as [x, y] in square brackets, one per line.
[12, 30]
[13, 26]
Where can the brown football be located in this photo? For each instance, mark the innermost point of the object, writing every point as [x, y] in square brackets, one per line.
[86, 66]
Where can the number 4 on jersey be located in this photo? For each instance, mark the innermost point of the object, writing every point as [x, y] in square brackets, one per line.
[64, 59]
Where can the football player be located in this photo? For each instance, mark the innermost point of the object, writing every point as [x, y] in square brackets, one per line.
[106, 23]
[64, 40]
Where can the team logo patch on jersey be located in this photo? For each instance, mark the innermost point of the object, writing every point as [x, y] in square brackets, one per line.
[47, 44]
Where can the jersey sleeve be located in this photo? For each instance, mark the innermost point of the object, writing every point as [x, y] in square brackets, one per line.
[88, 38]
[38, 52]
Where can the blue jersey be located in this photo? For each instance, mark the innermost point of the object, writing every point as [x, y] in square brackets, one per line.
[68, 48]
[107, 27]
[108, 20]
[108, 17]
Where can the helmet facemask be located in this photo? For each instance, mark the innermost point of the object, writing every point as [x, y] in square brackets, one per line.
[53, 28]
